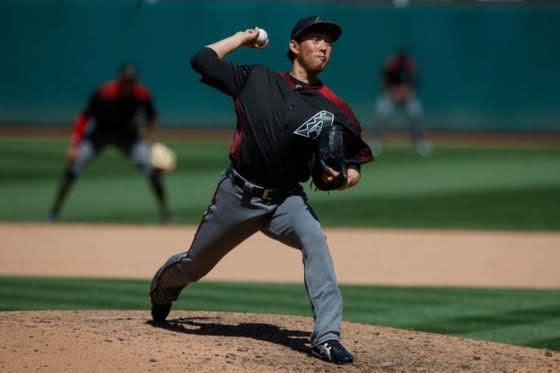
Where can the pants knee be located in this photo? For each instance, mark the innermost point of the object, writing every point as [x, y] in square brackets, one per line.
[313, 242]
[141, 155]
[414, 109]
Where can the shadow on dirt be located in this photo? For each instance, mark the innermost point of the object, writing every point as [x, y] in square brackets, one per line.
[297, 340]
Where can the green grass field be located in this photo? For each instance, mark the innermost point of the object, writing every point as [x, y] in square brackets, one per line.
[506, 188]
[522, 317]
[467, 187]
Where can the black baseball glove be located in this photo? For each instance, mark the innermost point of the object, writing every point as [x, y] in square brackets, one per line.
[329, 152]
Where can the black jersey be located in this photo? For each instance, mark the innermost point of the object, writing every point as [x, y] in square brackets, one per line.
[399, 69]
[120, 116]
[278, 120]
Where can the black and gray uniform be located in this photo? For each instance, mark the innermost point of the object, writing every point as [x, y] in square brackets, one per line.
[112, 119]
[398, 73]
[278, 120]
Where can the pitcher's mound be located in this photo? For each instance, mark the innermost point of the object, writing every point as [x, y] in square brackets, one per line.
[127, 341]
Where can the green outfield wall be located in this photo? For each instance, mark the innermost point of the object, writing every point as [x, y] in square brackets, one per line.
[494, 68]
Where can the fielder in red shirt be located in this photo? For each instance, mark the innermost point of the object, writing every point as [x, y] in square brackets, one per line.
[120, 113]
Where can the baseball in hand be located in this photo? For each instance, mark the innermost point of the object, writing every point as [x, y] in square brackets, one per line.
[262, 39]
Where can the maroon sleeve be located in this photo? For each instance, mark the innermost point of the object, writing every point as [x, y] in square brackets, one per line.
[143, 95]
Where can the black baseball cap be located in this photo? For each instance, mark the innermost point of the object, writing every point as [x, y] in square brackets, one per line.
[316, 23]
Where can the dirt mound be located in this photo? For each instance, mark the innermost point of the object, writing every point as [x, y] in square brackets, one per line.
[126, 341]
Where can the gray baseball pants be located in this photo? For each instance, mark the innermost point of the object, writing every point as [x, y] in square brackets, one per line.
[230, 219]
[138, 152]
[384, 109]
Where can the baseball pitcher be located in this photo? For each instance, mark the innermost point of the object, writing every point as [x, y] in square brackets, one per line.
[280, 116]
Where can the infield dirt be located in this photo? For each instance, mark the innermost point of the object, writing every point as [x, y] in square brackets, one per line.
[126, 341]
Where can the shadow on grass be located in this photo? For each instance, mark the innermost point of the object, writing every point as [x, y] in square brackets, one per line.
[470, 324]
[550, 343]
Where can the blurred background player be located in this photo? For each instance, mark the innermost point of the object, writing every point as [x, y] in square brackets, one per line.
[398, 81]
[121, 113]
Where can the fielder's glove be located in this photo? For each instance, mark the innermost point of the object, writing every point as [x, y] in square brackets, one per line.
[329, 152]
[162, 158]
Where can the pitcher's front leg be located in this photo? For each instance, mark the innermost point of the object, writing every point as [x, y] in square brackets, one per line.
[224, 226]
[295, 224]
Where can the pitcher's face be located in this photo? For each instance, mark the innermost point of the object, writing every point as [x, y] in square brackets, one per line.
[313, 51]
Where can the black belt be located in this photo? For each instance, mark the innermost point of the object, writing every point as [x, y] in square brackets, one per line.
[252, 190]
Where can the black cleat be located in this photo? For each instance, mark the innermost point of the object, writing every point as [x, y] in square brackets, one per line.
[332, 351]
[160, 312]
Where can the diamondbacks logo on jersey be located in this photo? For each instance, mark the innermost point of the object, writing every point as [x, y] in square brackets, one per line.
[313, 126]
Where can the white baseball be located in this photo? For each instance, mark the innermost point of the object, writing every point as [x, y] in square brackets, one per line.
[263, 36]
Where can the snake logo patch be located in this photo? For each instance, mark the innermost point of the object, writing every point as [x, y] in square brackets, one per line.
[313, 126]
